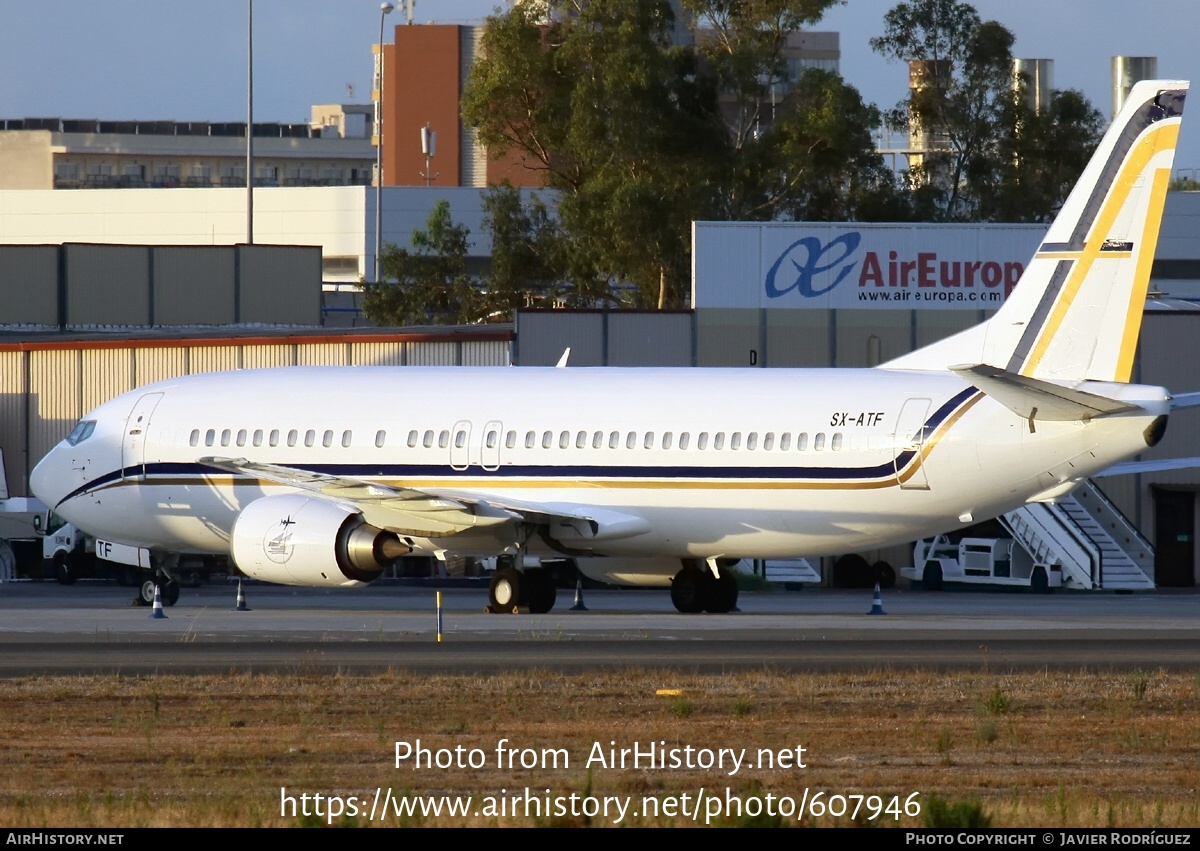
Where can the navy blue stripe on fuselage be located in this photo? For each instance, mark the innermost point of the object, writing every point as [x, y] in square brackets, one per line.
[584, 472]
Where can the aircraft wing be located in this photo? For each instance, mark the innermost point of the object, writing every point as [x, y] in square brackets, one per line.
[438, 513]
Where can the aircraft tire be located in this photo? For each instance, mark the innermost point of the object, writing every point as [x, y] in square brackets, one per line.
[145, 595]
[541, 590]
[62, 569]
[171, 593]
[722, 593]
[885, 574]
[504, 593]
[931, 576]
[689, 590]
[1039, 583]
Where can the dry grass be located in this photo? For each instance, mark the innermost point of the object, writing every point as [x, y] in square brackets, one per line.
[1048, 749]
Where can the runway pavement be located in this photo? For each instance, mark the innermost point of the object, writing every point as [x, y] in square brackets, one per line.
[93, 628]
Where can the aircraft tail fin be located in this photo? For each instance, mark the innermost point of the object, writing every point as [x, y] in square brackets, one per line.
[1076, 312]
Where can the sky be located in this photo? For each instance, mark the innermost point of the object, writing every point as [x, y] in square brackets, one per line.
[151, 60]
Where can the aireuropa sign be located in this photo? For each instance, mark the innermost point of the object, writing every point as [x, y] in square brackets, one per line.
[873, 266]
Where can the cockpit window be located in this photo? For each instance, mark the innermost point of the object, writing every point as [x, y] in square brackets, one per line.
[82, 431]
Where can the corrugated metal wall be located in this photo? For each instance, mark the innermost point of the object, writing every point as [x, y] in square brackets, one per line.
[29, 284]
[605, 338]
[165, 285]
[194, 285]
[107, 285]
[14, 414]
[542, 336]
[65, 381]
[273, 284]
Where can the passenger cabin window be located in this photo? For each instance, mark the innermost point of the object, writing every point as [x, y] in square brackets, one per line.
[819, 442]
[443, 438]
[380, 438]
[427, 440]
[293, 436]
[666, 441]
[226, 436]
[530, 439]
[684, 438]
[835, 442]
[614, 439]
[581, 440]
[564, 439]
[769, 441]
[273, 438]
[327, 438]
[460, 439]
[598, 440]
[735, 440]
[547, 439]
[346, 435]
[752, 440]
[258, 436]
[492, 440]
[719, 440]
[510, 440]
[210, 437]
[310, 437]
[702, 440]
[412, 439]
[193, 440]
[785, 441]
[631, 440]
[241, 438]
[802, 441]
[649, 441]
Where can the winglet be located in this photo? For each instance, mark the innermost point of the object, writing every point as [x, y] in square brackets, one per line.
[563, 360]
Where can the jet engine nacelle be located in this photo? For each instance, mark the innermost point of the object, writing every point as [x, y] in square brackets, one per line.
[294, 539]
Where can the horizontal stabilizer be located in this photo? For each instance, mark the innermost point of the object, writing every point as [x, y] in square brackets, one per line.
[1185, 400]
[1034, 399]
[1160, 466]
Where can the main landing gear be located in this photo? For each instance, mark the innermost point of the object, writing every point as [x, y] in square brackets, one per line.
[158, 576]
[695, 589]
[511, 589]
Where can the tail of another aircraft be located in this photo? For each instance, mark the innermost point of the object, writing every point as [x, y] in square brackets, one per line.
[1076, 312]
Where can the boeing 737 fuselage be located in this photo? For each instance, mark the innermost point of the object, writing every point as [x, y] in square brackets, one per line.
[322, 476]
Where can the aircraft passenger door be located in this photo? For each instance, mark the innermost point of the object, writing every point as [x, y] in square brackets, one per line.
[909, 442]
[493, 433]
[133, 442]
[460, 445]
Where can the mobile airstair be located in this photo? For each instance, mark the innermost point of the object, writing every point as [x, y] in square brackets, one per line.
[1088, 538]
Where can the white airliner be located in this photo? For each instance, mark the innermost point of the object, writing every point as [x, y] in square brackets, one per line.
[322, 476]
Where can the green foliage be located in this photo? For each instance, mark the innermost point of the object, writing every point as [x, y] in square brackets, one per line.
[997, 703]
[940, 813]
[429, 284]
[994, 158]
[642, 135]
[526, 252]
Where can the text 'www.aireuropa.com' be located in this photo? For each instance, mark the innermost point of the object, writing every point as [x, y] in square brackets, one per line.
[704, 806]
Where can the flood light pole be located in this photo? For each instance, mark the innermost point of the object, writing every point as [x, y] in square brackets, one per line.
[384, 9]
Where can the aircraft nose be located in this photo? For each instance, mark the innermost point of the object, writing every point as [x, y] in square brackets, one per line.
[46, 480]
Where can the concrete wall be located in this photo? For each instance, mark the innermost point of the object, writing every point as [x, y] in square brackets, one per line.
[25, 160]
